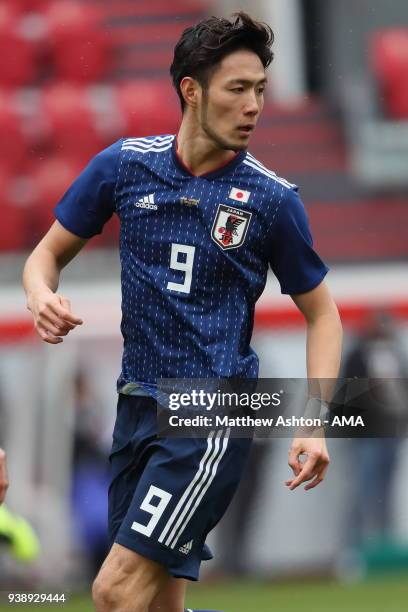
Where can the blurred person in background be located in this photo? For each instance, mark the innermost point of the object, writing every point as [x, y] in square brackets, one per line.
[90, 478]
[4, 483]
[233, 530]
[377, 354]
[192, 270]
[17, 537]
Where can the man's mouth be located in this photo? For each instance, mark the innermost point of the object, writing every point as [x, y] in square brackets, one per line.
[246, 129]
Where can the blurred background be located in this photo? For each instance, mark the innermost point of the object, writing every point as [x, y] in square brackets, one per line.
[76, 76]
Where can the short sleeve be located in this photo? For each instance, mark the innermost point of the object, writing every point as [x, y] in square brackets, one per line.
[296, 265]
[89, 202]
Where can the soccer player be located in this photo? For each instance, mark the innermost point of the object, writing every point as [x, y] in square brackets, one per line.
[3, 475]
[201, 221]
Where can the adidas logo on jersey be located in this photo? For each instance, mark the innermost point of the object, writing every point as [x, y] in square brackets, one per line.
[186, 548]
[147, 202]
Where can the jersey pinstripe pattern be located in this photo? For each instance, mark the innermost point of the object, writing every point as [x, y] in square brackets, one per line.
[203, 329]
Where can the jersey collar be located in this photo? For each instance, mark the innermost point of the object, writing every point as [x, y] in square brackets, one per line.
[219, 171]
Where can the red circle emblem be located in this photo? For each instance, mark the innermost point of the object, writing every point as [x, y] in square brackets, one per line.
[239, 194]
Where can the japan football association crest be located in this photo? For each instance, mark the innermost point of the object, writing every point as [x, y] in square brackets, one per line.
[230, 226]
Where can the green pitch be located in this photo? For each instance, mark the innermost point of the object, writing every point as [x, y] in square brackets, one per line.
[376, 595]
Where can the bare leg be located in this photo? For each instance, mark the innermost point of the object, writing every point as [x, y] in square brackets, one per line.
[171, 598]
[127, 582]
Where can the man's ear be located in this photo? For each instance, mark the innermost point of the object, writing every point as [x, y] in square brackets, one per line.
[191, 91]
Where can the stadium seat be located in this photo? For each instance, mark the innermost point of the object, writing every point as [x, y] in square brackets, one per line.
[143, 33]
[398, 101]
[50, 179]
[65, 105]
[148, 107]
[80, 46]
[13, 218]
[66, 16]
[31, 6]
[12, 142]
[81, 59]
[389, 60]
[12, 227]
[17, 54]
[8, 15]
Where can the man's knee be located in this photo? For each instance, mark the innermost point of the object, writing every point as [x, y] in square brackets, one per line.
[108, 596]
[126, 582]
[101, 595]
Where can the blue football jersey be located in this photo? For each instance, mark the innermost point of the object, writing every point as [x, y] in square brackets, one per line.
[194, 253]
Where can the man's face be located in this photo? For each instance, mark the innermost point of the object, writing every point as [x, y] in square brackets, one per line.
[231, 106]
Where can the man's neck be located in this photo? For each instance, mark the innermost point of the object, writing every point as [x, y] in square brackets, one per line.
[197, 151]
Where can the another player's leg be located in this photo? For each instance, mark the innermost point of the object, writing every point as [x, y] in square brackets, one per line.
[128, 582]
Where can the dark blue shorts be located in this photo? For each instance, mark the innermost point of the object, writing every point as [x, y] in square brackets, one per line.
[166, 494]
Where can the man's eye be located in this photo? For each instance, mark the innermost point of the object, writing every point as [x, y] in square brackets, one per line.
[261, 90]
[238, 89]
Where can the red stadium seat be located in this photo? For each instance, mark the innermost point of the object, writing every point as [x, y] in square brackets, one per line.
[8, 16]
[12, 227]
[13, 219]
[81, 59]
[148, 107]
[72, 126]
[389, 59]
[50, 178]
[32, 6]
[68, 17]
[12, 142]
[79, 44]
[17, 55]
[397, 104]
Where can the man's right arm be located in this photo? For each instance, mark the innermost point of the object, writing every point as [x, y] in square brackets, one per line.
[51, 311]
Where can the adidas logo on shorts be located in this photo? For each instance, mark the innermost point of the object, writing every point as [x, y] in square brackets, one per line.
[186, 548]
[147, 202]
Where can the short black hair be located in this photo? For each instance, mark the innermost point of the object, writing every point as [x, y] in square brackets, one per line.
[202, 47]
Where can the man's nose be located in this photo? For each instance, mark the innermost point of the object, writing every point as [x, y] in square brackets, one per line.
[252, 105]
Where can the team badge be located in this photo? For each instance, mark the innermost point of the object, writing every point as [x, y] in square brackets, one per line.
[230, 226]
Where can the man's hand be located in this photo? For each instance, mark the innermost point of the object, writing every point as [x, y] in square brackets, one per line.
[4, 483]
[317, 459]
[52, 315]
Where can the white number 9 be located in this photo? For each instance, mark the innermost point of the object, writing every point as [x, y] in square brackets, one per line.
[155, 511]
[185, 266]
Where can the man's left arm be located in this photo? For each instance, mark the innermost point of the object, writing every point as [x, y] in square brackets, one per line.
[3, 476]
[323, 353]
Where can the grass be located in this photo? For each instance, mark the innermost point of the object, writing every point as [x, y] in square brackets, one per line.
[375, 595]
[378, 596]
